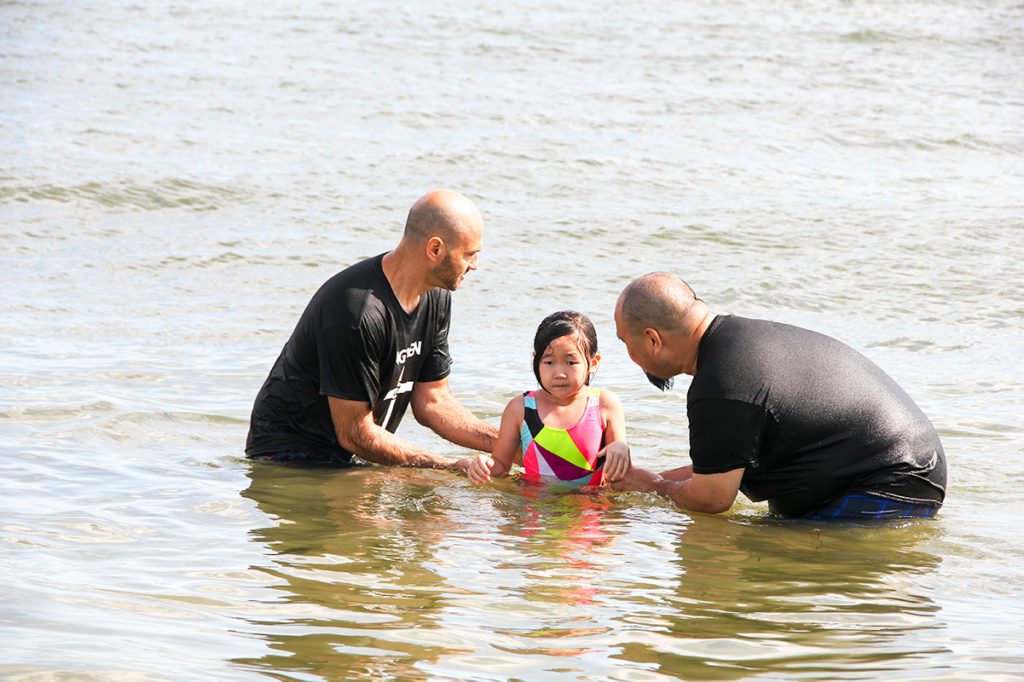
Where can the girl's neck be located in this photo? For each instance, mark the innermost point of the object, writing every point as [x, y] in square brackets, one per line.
[562, 413]
[565, 402]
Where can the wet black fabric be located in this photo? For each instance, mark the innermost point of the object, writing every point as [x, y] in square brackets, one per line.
[353, 341]
[808, 417]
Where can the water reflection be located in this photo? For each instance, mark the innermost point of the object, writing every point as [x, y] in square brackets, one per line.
[564, 533]
[352, 549]
[413, 574]
[756, 596]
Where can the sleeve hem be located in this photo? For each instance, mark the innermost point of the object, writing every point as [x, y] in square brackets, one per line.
[345, 396]
[720, 469]
[443, 375]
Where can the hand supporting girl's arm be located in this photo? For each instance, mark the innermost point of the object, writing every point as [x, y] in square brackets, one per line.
[483, 467]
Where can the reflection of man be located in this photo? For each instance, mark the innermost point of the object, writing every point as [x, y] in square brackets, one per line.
[372, 341]
[389, 533]
[780, 413]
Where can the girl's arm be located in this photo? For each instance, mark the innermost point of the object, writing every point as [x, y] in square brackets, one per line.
[616, 451]
[483, 467]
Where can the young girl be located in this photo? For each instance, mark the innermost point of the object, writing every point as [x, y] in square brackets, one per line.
[566, 431]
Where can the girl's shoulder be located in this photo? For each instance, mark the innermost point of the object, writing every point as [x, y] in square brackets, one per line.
[517, 404]
[608, 398]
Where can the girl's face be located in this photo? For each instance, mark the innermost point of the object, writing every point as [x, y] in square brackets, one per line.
[564, 368]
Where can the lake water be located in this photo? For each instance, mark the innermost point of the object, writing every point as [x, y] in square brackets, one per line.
[176, 179]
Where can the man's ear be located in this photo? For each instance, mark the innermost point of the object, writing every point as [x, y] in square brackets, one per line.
[435, 248]
[652, 338]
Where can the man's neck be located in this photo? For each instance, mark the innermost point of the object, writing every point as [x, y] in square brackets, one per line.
[694, 342]
[406, 282]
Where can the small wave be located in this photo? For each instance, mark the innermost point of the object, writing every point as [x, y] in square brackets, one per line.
[148, 418]
[73, 531]
[905, 343]
[136, 426]
[868, 36]
[163, 194]
[882, 139]
[194, 263]
[35, 414]
[969, 141]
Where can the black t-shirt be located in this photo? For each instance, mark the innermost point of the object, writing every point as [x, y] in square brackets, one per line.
[808, 417]
[354, 341]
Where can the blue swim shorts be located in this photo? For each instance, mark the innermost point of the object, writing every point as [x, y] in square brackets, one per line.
[861, 506]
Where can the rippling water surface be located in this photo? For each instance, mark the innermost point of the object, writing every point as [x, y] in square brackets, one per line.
[176, 179]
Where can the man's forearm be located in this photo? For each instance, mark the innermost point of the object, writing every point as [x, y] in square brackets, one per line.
[452, 421]
[682, 493]
[679, 474]
[380, 446]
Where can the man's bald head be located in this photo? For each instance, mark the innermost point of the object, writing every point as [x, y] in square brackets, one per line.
[662, 301]
[445, 214]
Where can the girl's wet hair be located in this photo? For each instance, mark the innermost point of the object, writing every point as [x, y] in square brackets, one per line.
[564, 323]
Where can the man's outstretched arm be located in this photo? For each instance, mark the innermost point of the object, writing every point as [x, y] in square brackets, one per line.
[358, 433]
[435, 407]
[708, 493]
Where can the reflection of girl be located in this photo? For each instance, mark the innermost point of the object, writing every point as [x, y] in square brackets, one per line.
[566, 431]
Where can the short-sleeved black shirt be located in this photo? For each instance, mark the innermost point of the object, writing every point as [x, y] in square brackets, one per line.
[808, 417]
[353, 341]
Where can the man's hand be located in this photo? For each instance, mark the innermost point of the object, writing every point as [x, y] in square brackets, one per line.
[617, 461]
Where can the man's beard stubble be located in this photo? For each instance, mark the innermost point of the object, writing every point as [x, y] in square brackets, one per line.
[659, 383]
[448, 274]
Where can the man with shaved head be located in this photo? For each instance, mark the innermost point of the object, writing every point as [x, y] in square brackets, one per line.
[779, 413]
[372, 341]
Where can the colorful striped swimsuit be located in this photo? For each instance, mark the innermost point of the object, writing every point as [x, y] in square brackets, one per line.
[568, 455]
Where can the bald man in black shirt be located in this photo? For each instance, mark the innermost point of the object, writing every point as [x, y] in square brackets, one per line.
[779, 413]
[373, 341]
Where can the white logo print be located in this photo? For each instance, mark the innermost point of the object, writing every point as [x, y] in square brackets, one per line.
[406, 353]
[402, 387]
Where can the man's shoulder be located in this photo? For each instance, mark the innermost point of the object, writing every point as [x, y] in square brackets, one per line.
[442, 298]
[728, 326]
[360, 276]
[734, 339]
[353, 296]
[435, 309]
[735, 353]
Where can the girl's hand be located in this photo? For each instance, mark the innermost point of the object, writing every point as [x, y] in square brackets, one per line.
[617, 461]
[480, 469]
